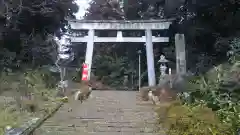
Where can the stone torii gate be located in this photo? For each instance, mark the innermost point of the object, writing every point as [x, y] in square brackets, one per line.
[148, 39]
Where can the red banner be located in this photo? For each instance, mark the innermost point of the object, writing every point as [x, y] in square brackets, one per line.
[85, 72]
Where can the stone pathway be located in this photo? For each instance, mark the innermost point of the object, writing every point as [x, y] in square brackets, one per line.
[106, 113]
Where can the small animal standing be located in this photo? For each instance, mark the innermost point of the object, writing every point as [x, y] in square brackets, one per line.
[83, 94]
[154, 98]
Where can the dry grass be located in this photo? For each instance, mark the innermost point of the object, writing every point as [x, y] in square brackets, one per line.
[19, 101]
[22, 109]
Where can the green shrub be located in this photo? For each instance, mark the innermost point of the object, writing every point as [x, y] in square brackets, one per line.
[218, 90]
[180, 119]
[41, 78]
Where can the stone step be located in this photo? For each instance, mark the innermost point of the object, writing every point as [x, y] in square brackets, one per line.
[108, 113]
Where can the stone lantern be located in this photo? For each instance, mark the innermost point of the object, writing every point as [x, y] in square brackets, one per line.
[163, 67]
[125, 81]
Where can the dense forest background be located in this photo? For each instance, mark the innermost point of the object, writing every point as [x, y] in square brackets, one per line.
[27, 28]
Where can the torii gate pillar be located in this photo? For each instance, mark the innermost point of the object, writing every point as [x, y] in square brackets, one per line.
[150, 58]
[89, 50]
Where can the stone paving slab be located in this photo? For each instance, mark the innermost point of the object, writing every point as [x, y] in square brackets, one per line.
[106, 113]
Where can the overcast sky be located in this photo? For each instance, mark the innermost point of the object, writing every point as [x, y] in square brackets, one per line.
[83, 5]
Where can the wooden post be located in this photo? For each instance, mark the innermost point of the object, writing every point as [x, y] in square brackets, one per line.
[180, 54]
[150, 58]
[89, 50]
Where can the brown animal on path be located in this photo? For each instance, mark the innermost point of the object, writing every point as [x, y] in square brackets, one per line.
[155, 100]
[158, 94]
[144, 93]
[167, 91]
[84, 92]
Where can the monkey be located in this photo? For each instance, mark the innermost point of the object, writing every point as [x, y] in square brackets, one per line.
[153, 98]
[168, 89]
[83, 94]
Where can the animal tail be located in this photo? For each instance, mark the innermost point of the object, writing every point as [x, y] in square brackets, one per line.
[153, 101]
[78, 96]
[89, 92]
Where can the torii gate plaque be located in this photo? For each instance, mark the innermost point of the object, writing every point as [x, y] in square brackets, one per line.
[147, 25]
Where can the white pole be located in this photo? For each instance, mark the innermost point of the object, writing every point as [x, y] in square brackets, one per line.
[170, 75]
[150, 58]
[64, 73]
[139, 71]
[89, 51]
